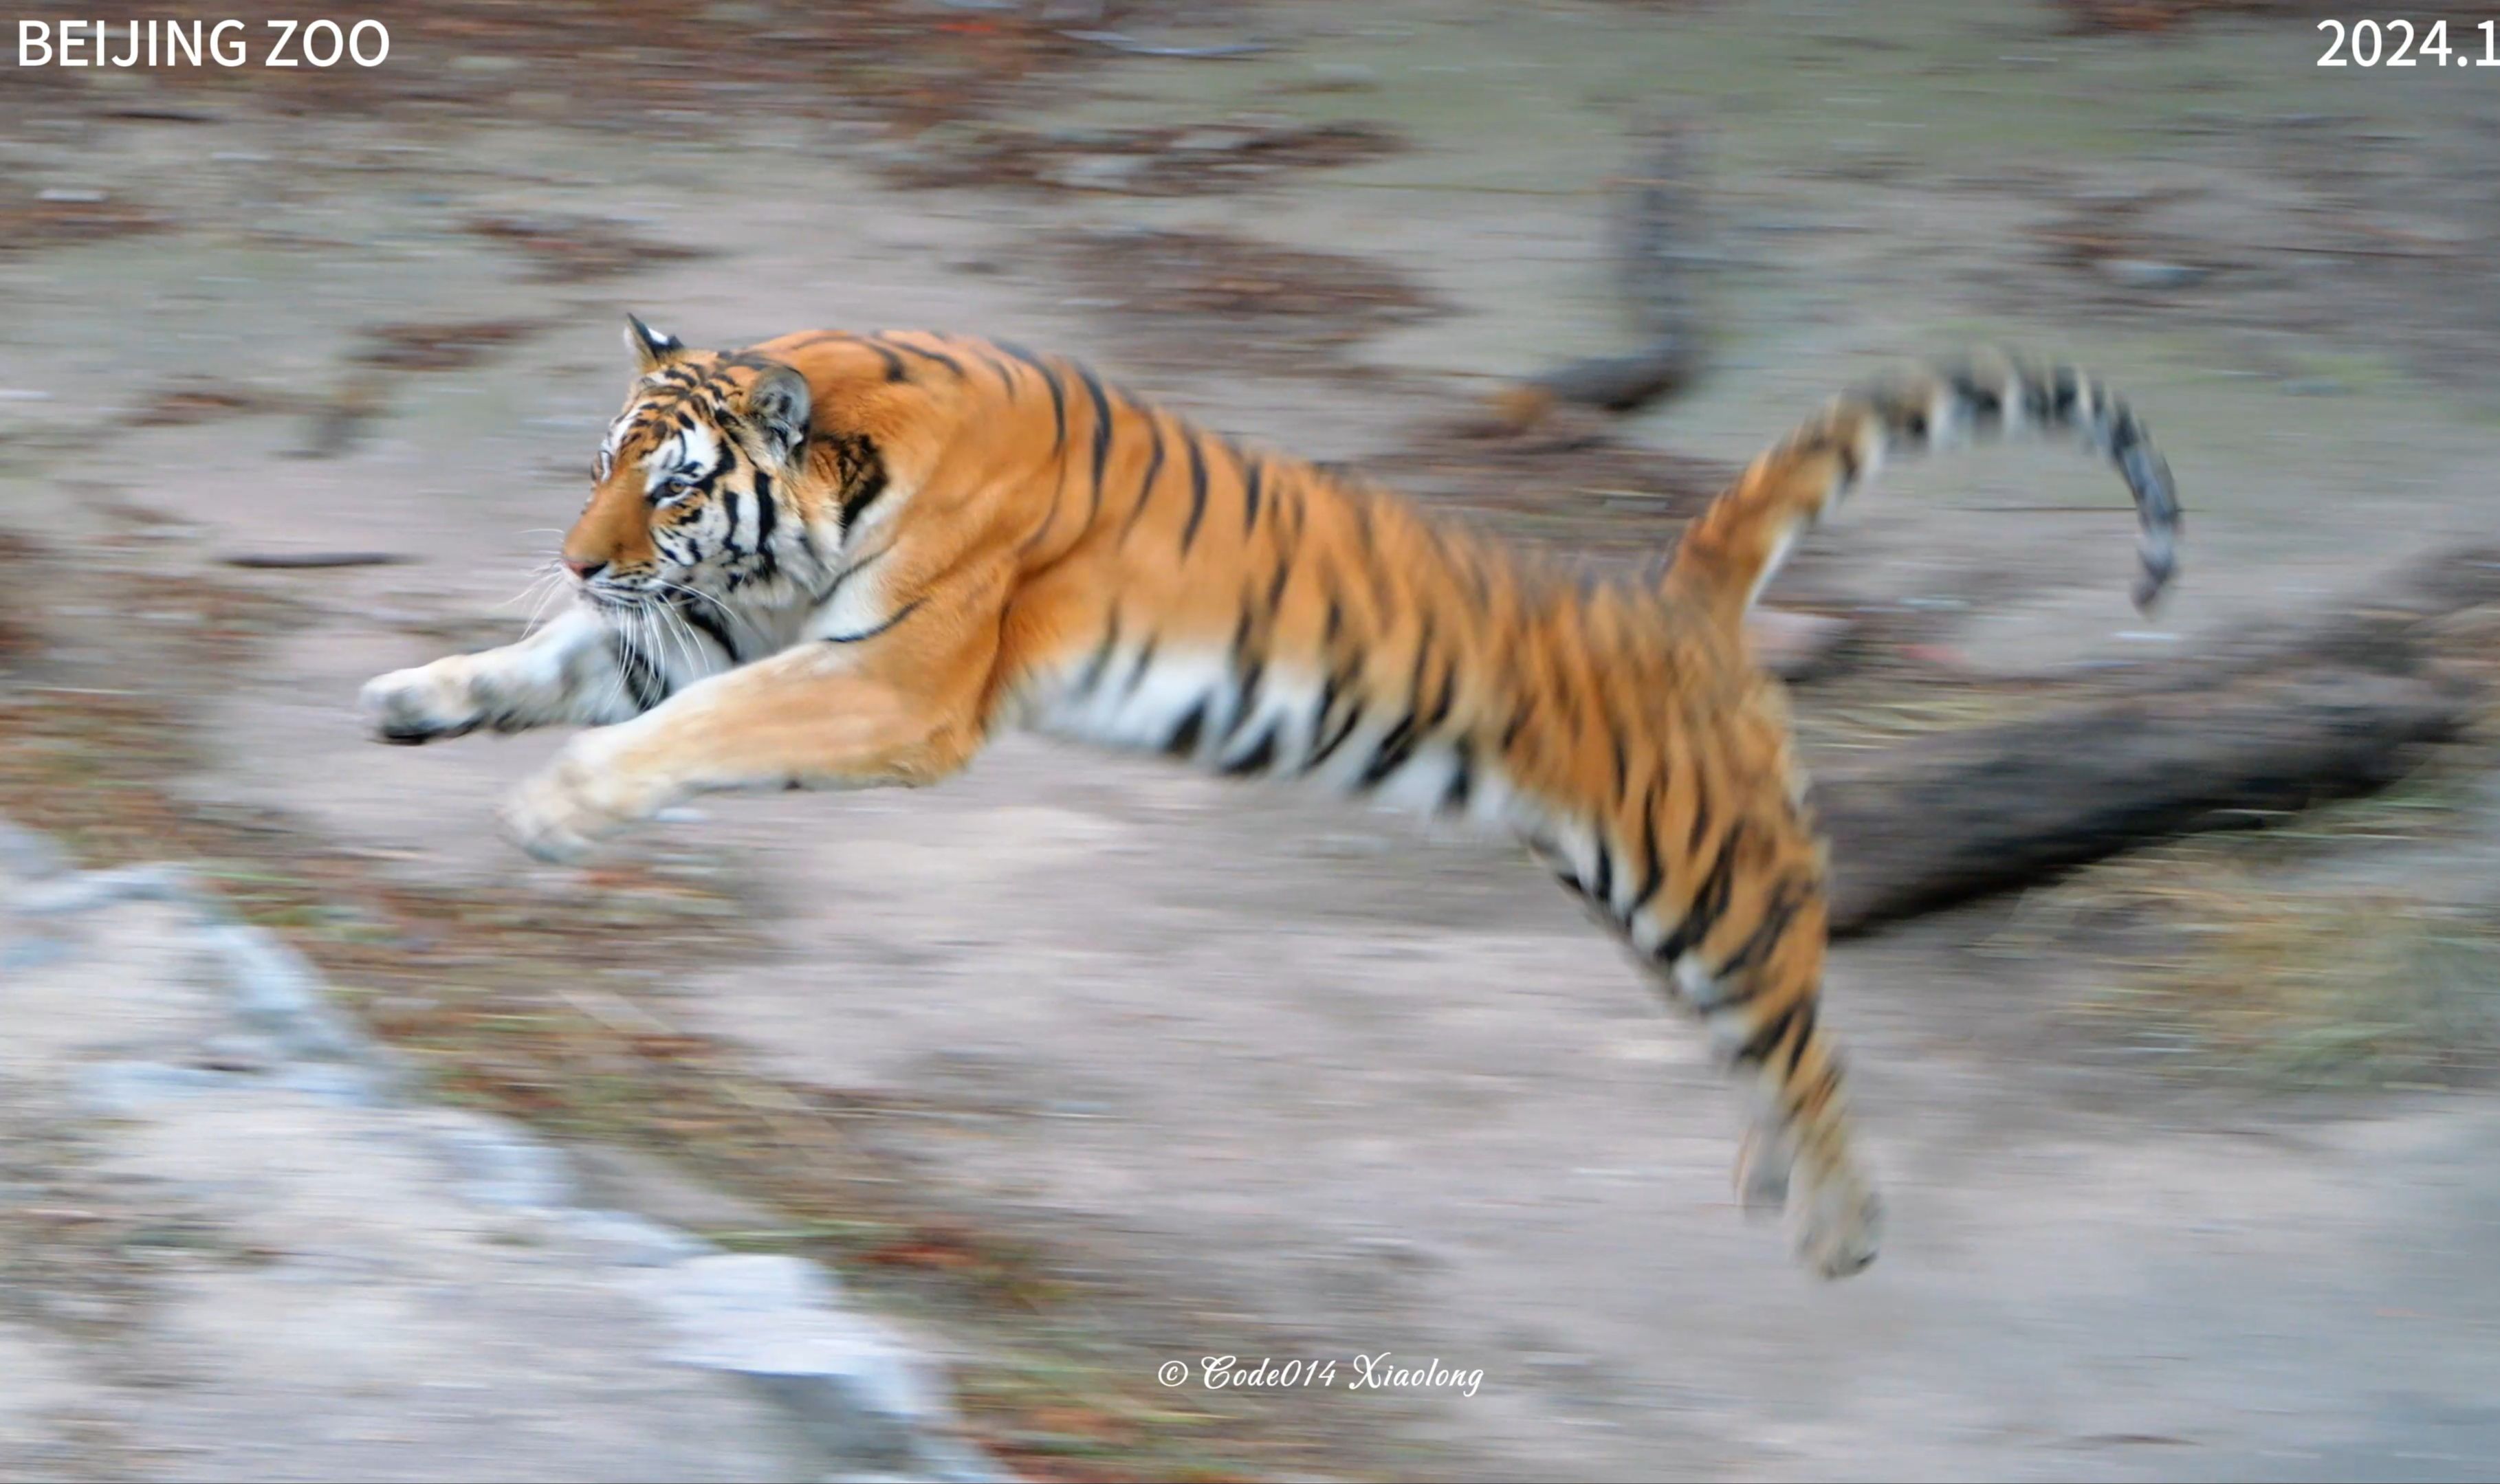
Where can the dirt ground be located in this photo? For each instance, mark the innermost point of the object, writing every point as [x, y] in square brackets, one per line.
[1256, 1076]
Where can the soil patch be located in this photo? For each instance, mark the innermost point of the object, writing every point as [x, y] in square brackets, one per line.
[1172, 160]
[1170, 295]
[578, 249]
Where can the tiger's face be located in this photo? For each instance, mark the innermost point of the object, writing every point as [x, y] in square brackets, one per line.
[690, 493]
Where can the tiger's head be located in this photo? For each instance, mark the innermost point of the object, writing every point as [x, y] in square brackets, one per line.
[696, 487]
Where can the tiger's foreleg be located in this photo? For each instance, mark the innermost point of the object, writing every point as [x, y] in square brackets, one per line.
[805, 718]
[576, 671]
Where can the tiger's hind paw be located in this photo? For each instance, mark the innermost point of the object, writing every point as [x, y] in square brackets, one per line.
[1840, 1227]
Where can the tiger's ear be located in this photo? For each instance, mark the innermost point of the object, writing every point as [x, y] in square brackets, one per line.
[775, 405]
[652, 348]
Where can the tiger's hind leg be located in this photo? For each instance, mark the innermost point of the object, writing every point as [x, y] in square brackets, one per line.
[1760, 1011]
[1748, 960]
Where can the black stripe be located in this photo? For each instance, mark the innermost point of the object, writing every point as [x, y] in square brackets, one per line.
[940, 357]
[1708, 903]
[861, 462]
[1449, 693]
[1987, 407]
[1337, 739]
[1463, 782]
[905, 612]
[1101, 437]
[712, 625]
[1183, 742]
[643, 680]
[1785, 902]
[1395, 748]
[1517, 721]
[1768, 1035]
[1154, 467]
[1360, 510]
[1251, 678]
[1058, 392]
[1197, 490]
[2125, 435]
[1423, 657]
[2036, 397]
[766, 515]
[1253, 471]
[1653, 870]
[1095, 667]
[1261, 757]
[1137, 672]
[847, 573]
[1006, 379]
[1602, 889]
[895, 369]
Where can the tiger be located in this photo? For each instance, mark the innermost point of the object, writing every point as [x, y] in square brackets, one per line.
[841, 560]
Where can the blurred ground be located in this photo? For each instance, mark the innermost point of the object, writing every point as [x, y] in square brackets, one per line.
[1084, 1064]
[228, 1259]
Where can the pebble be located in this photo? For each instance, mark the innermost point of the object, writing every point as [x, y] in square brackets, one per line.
[499, 1165]
[2151, 273]
[1099, 172]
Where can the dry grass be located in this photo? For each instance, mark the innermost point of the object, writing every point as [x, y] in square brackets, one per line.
[2257, 957]
[2314, 989]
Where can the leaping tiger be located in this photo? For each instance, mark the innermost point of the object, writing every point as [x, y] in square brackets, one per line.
[843, 560]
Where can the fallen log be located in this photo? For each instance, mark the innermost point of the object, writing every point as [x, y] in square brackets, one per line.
[2345, 707]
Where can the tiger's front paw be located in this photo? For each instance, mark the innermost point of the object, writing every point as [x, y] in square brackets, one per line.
[424, 704]
[559, 812]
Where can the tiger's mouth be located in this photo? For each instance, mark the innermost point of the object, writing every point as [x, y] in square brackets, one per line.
[619, 600]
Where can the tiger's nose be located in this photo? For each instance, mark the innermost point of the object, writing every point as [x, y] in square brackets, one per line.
[584, 567]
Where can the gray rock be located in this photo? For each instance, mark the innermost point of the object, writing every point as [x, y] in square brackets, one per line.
[277, 991]
[87, 891]
[28, 856]
[628, 1241]
[497, 1164]
[852, 1383]
[126, 1089]
[350, 1086]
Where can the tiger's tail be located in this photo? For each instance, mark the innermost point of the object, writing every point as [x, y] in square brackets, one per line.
[1734, 547]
